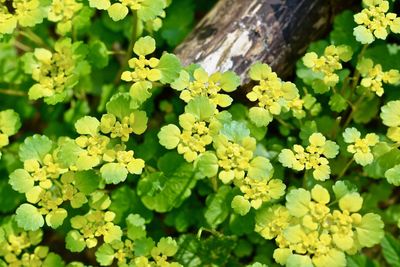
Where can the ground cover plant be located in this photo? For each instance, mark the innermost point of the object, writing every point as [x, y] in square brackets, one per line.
[114, 154]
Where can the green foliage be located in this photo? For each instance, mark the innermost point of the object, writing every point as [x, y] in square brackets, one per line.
[109, 145]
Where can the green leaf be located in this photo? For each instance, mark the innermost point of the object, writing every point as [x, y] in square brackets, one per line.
[337, 103]
[52, 260]
[240, 205]
[382, 163]
[100, 4]
[162, 193]
[117, 11]
[87, 181]
[21, 181]
[207, 164]
[393, 175]
[342, 33]
[9, 122]
[136, 227]
[68, 152]
[150, 9]
[119, 105]
[144, 46]
[140, 93]
[259, 116]
[218, 206]
[74, 241]
[55, 218]
[367, 110]
[169, 136]
[167, 246]
[179, 21]
[125, 201]
[170, 68]
[143, 246]
[98, 54]
[105, 255]
[260, 168]
[87, 125]
[113, 173]
[201, 107]
[391, 250]
[229, 81]
[35, 147]
[28, 217]
[235, 131]
[164, 162]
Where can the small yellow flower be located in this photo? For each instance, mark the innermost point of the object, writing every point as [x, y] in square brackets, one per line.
[271, 94]
[259, 191]
[374, 21]
[373, 77]
[233, 158]
[325, 66]
[62, 12]
[309, 233]
[360, 147]
[211, 86]
[315, 156]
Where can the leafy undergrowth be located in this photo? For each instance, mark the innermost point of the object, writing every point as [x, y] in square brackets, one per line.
[113, 153]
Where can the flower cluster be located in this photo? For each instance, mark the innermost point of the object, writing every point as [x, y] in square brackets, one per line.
[147, 71]
[25, 14]
[315, 156]
[56, 73]
[62, 12]
[196, 132]
[309, 232]
[16, 247]
[98, 222]
[374, 21]
[360, 147]
[326, 66]
[122, 251]
[147, 10]
[201, 84]
[272, 95]
[373, 77]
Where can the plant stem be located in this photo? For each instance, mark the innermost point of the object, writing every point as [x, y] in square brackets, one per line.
[345, 168]
[22, 46]
[33, 37]
[12, 92]
[353, 110]
[129, 53]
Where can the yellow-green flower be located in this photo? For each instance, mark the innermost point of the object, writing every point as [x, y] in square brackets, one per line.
[373, 77]
[210, 86]
[271, 94]
[62, 12]
[315, 156]
[374, 21]
[26, 14]
[196, 133]
[144, 70]
[310, 232]
[234, 158]
[360, 147]
[259, 191]
[325, 66]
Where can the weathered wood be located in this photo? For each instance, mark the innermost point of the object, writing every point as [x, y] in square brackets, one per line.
[237, 33]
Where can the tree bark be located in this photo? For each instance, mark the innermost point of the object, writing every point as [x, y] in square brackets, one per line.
[237, 33]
